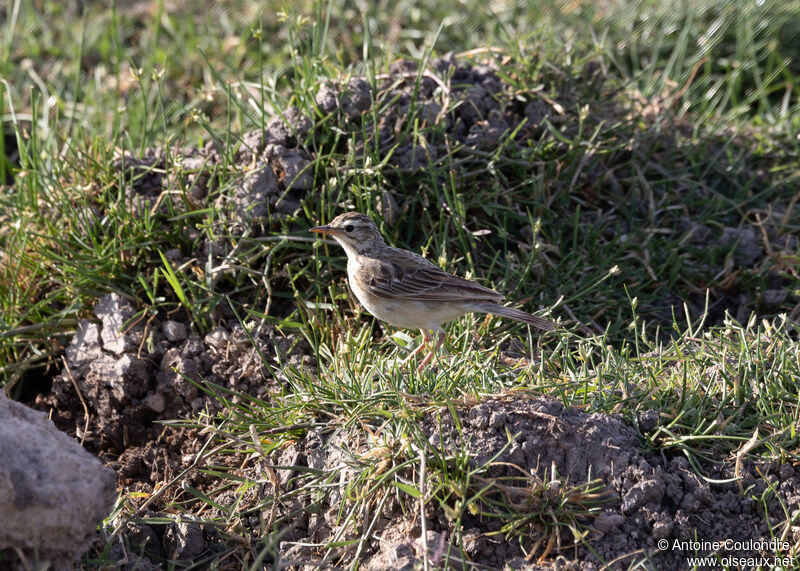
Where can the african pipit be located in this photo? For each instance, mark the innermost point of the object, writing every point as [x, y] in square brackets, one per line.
[406, 290]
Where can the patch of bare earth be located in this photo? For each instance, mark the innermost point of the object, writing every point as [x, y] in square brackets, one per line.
[527, 454]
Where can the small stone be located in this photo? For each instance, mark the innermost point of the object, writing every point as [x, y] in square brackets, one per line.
[217, 338]
[174, 331]
[155, 402]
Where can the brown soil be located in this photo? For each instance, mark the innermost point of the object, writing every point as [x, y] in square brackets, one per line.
[529, 452]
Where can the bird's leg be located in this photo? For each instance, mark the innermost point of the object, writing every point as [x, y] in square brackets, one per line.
[425, 339]
[432, 354]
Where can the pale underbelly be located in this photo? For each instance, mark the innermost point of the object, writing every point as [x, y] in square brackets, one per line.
[413, 314]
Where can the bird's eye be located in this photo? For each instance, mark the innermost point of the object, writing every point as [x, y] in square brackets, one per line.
[349, 228]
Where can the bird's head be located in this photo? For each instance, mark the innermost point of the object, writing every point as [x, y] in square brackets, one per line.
[355, 232]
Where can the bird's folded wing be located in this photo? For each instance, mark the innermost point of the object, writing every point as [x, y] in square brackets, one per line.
[418, 282]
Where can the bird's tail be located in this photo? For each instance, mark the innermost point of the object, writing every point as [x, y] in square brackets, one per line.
[517, 314]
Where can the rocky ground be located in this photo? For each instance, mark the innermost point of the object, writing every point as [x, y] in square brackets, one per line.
[637, 497]
[644, 498]
[120, 382]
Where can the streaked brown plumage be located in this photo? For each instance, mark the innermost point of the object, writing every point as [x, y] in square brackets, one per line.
[408, 291]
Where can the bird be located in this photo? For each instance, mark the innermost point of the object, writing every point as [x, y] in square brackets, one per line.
[408, 291]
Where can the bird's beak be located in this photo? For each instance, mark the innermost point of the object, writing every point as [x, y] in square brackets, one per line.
[324, 230]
